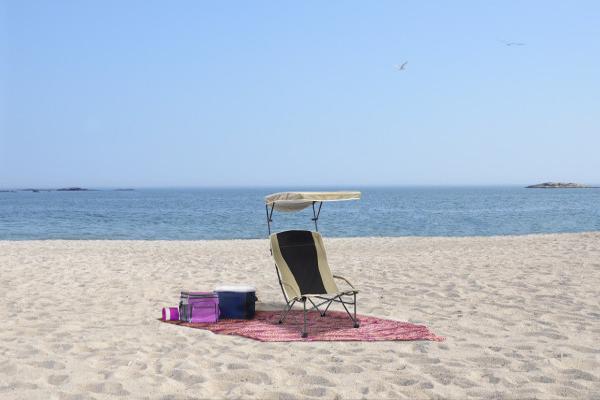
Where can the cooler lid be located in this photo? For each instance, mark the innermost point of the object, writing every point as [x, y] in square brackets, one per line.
[197, 294]
[235, 288]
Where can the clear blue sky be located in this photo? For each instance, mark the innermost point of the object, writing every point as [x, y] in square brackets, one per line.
[154, 93]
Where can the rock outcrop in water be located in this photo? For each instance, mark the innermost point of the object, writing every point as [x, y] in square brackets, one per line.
[558, 185]
[71, 189]
[67, 189]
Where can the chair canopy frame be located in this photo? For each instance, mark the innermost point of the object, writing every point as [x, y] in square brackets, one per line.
[315, 209]
[297, 201]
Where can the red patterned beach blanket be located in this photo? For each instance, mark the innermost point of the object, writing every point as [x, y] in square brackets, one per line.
[335, 326]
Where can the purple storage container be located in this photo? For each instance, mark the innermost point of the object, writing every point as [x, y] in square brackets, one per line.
[199, 307]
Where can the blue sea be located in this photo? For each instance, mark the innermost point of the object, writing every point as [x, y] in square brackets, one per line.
[191, 214]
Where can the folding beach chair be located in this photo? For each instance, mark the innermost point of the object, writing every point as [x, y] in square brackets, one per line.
[304, 275]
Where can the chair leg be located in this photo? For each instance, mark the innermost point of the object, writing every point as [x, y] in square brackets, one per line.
[356, 323]
[352, 317]
[326, 308]
[316, 307]
[285, 311]
[304, 330]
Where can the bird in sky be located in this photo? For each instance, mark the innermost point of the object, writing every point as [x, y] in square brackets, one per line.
[513, 43]
[401, 67]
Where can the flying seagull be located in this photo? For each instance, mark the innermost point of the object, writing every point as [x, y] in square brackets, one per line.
[401, 67]
[513, 43]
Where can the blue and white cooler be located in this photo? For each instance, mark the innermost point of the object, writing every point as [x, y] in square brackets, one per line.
[236, 302]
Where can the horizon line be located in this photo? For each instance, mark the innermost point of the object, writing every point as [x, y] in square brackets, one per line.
[303, 186]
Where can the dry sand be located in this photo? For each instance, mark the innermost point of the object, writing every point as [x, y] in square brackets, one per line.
[521, 318]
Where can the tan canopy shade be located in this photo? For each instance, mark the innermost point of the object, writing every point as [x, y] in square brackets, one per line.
[295, 201]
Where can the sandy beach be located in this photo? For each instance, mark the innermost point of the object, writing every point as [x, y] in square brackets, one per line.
[520, 315]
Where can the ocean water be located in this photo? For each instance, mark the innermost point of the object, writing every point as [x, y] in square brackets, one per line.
[191, 214]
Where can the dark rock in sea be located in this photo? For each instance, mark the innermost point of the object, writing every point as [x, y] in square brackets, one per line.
[124, 190]
[8, 191]
[558, 185]
[71, 189]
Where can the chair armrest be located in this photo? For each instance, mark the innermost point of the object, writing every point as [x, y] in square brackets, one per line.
[345, 280]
